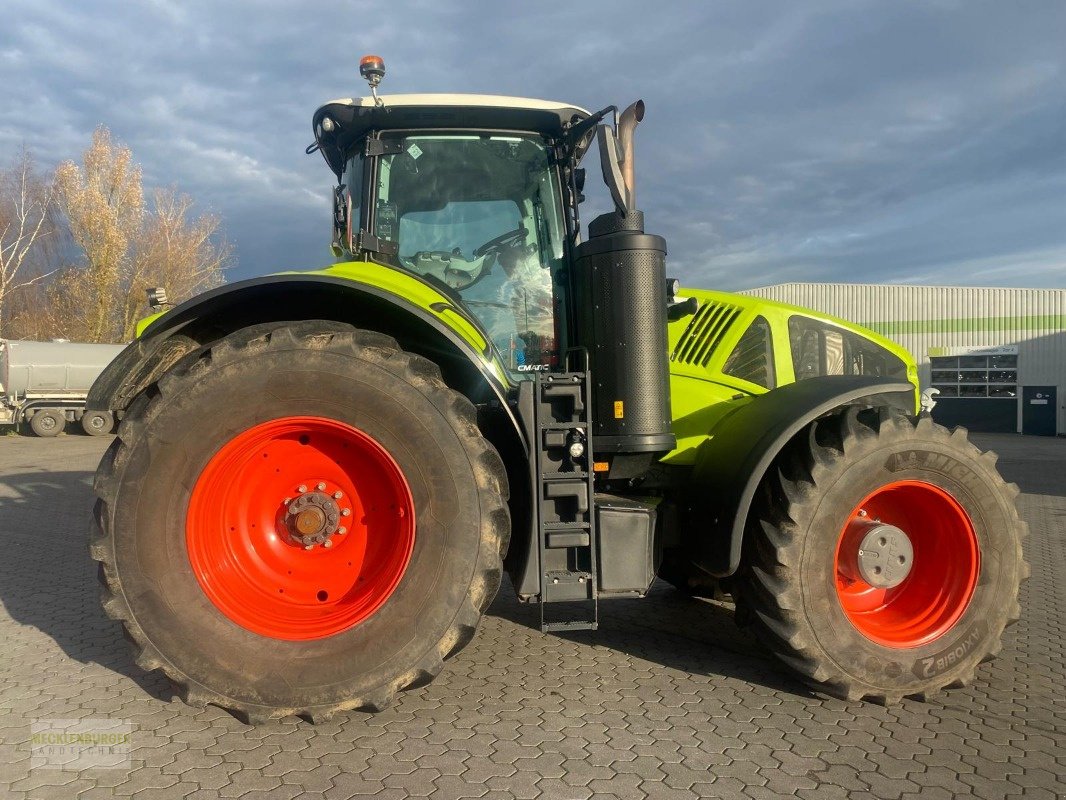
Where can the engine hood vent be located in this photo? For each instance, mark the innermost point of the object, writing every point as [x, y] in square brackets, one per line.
[704, 332]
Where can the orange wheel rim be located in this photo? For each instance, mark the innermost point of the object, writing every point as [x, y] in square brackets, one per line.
[927, 596]
[300, 528]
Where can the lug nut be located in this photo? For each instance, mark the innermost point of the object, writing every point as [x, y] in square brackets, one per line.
[301, 488]
[321, 486]
[309, 547]
[342, 529]
[337, 495]
[345, 512]
[327, 543]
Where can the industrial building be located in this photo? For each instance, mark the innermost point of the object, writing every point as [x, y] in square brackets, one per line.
[997, 356]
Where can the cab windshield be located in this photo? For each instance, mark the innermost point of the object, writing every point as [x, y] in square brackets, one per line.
[481, 215]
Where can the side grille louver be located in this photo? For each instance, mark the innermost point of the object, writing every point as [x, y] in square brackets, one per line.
[701, 337]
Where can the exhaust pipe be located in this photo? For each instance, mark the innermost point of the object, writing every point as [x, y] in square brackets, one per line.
[627, 123]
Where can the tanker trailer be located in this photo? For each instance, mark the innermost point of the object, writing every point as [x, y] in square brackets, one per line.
[45, 384]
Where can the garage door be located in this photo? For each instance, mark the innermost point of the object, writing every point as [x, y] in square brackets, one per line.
[978, 391]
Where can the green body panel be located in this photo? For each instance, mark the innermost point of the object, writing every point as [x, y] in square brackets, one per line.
[701, 394]
[418, 292]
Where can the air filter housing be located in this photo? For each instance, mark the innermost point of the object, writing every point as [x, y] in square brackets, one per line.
[620, 281]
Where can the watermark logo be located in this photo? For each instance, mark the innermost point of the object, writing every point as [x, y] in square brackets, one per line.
[79, 744]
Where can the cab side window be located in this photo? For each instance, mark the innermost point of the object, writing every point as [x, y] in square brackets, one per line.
[822, 349]
[753, 357]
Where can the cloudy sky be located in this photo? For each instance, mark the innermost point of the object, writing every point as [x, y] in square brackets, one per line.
[834, 141]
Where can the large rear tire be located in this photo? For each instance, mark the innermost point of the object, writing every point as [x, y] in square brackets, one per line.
[883, 556]
[299, 520]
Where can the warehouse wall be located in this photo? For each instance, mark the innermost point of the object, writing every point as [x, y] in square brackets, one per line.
[925, 317]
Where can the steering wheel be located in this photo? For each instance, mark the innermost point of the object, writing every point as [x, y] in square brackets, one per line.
[509, 239]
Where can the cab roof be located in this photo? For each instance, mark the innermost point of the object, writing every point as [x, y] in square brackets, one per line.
[354, 116]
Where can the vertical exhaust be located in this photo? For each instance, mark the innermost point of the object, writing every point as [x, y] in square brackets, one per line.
[627, 123]
[620, 288]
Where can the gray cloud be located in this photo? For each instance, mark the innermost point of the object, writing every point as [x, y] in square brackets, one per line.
[909, 141]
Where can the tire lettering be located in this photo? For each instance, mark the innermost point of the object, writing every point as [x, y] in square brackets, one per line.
[928, 667]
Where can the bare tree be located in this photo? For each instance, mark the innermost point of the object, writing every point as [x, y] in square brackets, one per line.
[127, 245]
[26, 219]
[181, 253]
[104, 206]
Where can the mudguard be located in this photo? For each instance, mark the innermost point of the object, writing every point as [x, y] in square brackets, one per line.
[417, 314]
[730, 464]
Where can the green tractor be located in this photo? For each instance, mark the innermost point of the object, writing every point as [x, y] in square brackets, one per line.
[320, 477]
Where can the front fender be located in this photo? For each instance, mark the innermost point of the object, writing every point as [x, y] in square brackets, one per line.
[732, 462]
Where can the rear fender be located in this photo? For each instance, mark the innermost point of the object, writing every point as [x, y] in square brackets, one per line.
[730, 465]
[434, 327]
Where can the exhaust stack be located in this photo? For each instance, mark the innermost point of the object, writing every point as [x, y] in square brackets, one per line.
[627, 124]
[620, 288]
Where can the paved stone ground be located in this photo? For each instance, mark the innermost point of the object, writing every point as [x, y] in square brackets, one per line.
[667, 700]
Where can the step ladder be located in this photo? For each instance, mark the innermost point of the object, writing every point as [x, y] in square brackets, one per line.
[566, 516]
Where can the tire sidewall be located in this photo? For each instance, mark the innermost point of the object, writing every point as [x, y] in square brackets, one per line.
[942, 463]
[216, 402]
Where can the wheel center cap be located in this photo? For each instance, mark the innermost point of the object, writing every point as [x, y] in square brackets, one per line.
[885, 555]
[310, 521]
[312, 518]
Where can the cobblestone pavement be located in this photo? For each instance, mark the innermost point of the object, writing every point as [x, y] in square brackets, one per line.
[668, 699]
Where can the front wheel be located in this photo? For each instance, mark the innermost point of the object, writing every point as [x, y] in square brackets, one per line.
[300, 520]
[883, 556]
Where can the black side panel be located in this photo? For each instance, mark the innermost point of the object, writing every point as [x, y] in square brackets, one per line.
[730, 465]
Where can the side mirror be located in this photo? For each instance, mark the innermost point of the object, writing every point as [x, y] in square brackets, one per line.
[612, 174]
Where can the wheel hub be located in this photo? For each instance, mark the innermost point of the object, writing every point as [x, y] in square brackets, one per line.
[884, 556]
[314, 517]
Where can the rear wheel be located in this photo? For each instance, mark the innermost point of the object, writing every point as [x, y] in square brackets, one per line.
[300, 520]
[48, 422]
[883, 557]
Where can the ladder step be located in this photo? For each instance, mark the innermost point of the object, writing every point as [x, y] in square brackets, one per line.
[569, 598]
[581, 625]
[556, 539]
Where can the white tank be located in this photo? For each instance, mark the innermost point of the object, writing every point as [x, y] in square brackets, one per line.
[51, 368]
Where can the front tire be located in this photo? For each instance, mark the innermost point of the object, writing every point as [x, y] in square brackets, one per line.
[883, 556]
[243, 588]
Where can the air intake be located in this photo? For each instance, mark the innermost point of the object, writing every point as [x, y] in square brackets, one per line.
[703, 334]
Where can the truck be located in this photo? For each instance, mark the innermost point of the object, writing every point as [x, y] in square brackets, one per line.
[46, 383]
[320, 478]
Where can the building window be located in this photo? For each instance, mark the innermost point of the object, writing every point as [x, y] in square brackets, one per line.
[975, 376]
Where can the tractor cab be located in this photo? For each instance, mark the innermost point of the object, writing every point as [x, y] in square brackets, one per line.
[475, 194]
[468, 193]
